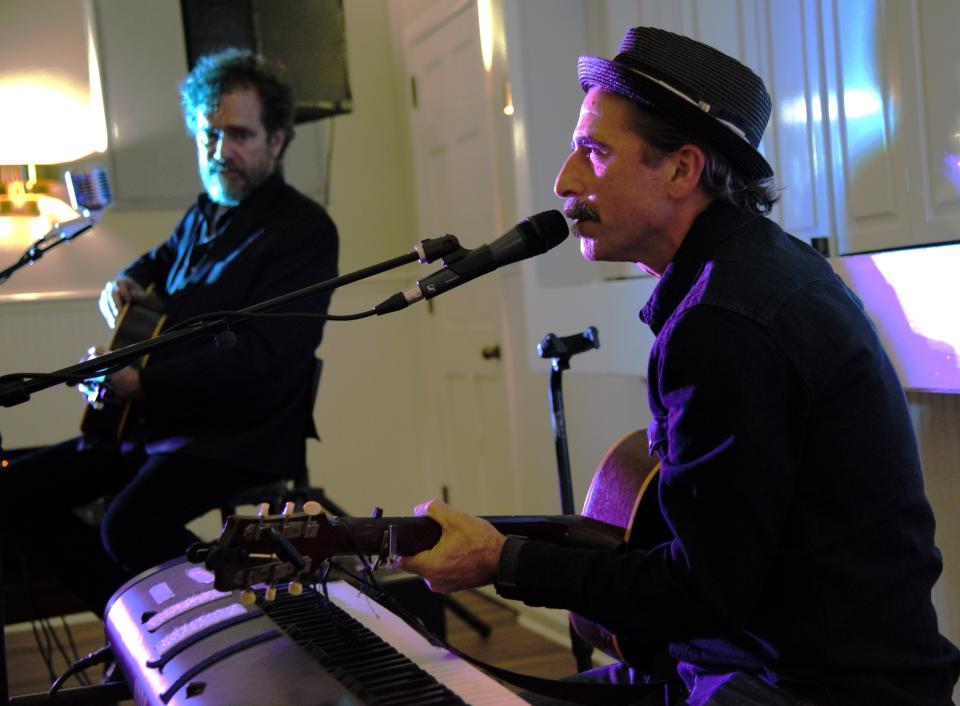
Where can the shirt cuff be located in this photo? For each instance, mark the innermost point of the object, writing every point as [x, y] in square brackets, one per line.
[506, 583]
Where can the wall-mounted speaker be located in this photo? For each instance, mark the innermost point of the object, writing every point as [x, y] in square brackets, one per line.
[306, 36]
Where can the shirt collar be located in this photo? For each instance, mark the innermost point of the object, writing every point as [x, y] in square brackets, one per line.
[714, 225]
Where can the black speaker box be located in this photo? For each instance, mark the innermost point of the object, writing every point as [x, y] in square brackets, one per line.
[306, 36]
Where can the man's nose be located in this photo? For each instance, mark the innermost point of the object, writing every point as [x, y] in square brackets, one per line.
[218, 146]
[566, 183]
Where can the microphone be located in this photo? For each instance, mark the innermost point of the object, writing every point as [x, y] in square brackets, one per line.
[532, 236]
[88, 191]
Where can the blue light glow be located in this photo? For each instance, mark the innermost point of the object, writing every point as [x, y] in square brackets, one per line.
[862, 92]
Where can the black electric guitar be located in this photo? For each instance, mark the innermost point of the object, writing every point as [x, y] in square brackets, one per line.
[105, 416]
[272, 549]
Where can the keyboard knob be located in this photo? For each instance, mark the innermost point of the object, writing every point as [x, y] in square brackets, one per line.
[295, 588]
[312, 508]
[271, 594]
[248, 597]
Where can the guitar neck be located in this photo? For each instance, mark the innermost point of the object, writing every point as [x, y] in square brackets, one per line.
[268, 549]
[415, 534]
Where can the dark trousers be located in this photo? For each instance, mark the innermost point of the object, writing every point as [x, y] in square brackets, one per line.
[733, 689]
[151, 498]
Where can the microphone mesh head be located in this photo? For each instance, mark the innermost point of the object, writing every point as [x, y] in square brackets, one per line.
[547, 230]
[90, 191]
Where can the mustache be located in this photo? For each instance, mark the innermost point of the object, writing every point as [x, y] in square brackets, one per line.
[220, 167]
[580, 210]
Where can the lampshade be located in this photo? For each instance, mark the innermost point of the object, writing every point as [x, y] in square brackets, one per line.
[51, 101]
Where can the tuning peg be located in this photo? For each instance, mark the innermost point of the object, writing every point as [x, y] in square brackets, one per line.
[312, 508]
[271, 595]
[263, 509]
[295, 588]
[288, 508]
[248, 597]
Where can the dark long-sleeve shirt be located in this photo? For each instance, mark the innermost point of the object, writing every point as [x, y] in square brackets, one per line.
[802, 542]
[249, 404]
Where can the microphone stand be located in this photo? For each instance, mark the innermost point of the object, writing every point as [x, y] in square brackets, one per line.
[57, 235]
[560, 350]
[16, 388]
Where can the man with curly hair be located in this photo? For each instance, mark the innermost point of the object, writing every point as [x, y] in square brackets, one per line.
[207, 421]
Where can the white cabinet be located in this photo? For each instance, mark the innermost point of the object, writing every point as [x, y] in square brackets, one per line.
[865, 133]
[152, 160]
[894, 68]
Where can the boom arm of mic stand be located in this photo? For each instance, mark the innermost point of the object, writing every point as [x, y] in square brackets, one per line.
[14, 391]
[47, 242]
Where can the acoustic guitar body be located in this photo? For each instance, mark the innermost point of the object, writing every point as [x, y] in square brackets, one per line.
[140, 321]
[624, 493]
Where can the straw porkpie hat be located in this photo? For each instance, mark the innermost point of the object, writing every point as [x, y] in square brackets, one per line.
[711, 95]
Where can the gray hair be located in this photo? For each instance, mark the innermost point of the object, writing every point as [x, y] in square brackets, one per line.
[718, 179]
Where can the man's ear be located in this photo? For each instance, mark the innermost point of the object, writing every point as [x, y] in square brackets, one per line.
[688, 163]
[276, 141]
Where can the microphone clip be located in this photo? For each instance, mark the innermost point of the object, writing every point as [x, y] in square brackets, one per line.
[561, 349]
[433, 249]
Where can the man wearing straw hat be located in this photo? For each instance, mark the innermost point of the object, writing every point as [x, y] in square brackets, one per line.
[801, 559]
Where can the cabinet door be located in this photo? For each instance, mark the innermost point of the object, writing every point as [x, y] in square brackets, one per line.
[153, 161]
[895, 117]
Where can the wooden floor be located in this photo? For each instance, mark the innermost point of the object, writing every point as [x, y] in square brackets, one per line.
[509, 645]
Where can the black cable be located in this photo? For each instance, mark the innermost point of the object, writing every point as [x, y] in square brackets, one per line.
[100, 656]
[45, 650]
[236, 316]
[73, 648]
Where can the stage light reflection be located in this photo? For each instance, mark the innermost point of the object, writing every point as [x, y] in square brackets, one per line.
[910, 295]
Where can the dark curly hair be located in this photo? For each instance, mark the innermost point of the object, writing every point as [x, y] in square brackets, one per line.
[230, 69]
[718, 179]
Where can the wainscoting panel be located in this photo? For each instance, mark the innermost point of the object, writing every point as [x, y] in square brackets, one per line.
[40, 337]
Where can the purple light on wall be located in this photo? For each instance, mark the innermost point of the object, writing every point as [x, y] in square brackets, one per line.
[912, 297]
[951, 169]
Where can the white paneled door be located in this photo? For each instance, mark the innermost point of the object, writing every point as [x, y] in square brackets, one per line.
[466, 430]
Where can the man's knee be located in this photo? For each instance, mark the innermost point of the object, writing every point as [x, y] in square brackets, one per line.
[119, 532]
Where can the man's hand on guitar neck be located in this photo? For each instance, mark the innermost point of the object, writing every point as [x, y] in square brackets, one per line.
[117, 293]
[466, 556]
[123, 384]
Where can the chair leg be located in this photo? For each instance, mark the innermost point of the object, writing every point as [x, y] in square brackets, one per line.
[325, 502]
[483, 629]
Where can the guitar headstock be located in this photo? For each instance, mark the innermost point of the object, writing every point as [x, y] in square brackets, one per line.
[271, 549]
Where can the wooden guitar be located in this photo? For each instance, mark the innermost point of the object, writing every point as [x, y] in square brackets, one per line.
[623, 493]
[105, 416]
[618, 513]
